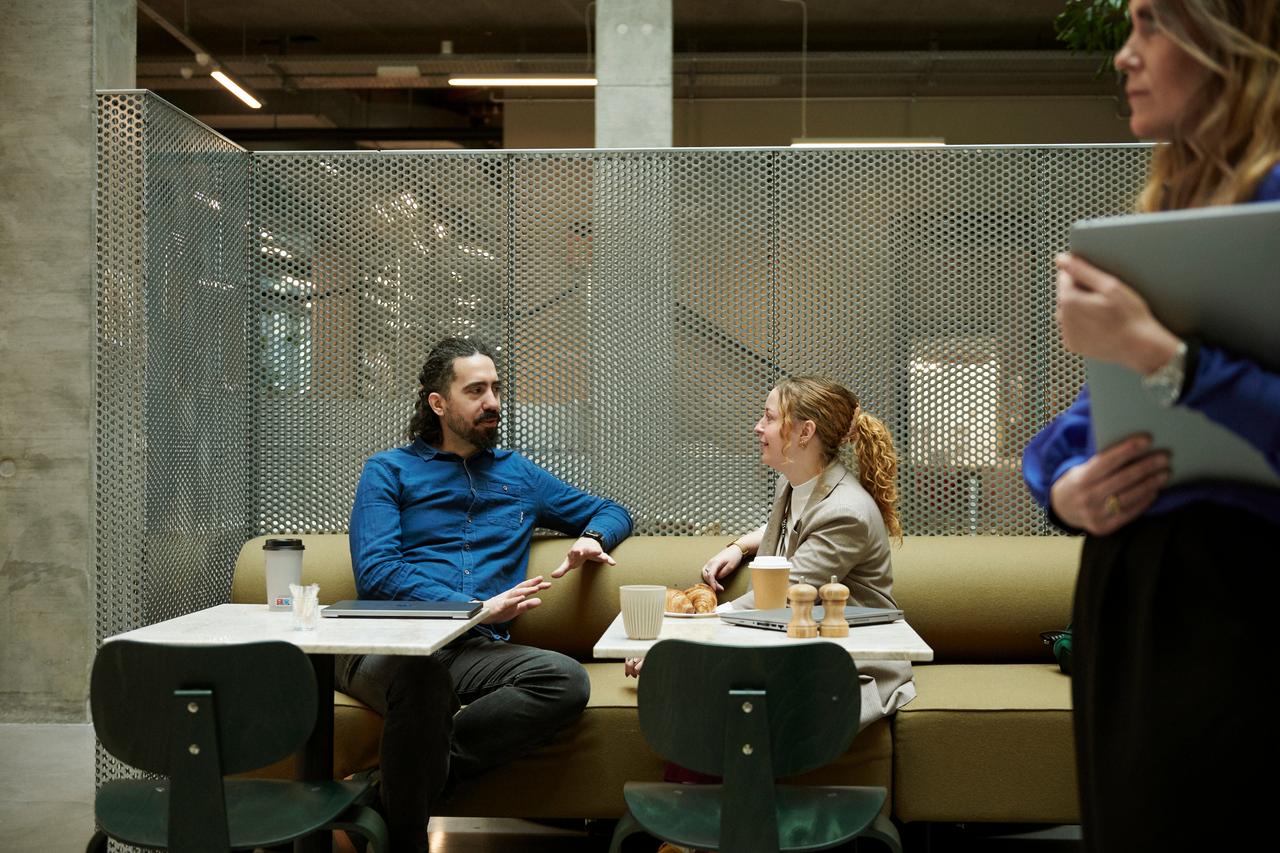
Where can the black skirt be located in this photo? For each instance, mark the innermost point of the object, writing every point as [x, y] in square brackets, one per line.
[1172, 660]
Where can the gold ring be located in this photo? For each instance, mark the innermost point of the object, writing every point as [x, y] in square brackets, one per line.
[1113, 505]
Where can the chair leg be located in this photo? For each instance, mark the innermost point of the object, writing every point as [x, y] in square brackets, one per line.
[98, 843]
[627, 827]
[368, 824]
[883, 830]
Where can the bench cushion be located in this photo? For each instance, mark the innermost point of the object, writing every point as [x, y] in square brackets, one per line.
[986, 743]
[985, 599]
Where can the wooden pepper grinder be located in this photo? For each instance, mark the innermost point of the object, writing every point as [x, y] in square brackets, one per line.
[802, 626]
[834, 595]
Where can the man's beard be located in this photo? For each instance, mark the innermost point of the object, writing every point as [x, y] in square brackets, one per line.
[482, 434]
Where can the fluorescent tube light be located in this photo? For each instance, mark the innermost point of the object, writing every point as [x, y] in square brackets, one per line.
[399, 71]
[543, 80]
[869, 142]
[234, 88]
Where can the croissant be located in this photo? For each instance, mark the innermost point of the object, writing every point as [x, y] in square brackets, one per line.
[678, 602]
[702, 597]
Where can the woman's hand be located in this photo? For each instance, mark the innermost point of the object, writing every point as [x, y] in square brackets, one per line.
[1112, 488]
[631, 667]
[1101, 317]
[724, 563]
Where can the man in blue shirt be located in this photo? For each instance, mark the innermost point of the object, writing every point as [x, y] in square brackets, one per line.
[449, 517]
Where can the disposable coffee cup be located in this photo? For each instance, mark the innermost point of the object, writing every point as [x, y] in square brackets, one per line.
[770, 578]
[284, 566]
[642, 606]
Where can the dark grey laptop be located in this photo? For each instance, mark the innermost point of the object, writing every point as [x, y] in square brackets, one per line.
[1211, 273]
[404, 609]
[777, 620]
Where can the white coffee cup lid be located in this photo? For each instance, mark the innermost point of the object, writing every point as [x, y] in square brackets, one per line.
[768, 562]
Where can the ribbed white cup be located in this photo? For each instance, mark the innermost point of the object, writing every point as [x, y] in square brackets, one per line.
[642, 606]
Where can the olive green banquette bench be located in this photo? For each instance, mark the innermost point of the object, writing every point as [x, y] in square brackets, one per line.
[988, 738]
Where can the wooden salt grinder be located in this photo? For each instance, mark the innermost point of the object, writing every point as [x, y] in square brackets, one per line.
[834, 595]
[802, 626]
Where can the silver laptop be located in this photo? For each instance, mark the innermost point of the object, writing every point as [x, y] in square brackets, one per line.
[404, 609]
[1209, 272]
[777, 620]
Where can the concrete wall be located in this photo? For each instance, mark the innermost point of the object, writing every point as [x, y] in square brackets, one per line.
[961, 121]
[47, 169]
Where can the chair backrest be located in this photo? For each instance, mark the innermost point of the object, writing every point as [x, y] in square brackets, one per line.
[261, 697]
[697, 701]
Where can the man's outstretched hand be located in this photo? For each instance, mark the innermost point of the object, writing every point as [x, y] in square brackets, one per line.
[585, 550]
[506, 606]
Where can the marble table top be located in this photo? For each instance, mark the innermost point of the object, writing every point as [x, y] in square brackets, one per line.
[893, 641]
[226, 624]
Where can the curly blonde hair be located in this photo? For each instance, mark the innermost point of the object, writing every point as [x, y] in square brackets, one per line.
[862, 441]
[1230, 137]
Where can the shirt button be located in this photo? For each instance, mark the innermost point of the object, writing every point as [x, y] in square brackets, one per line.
[504, 488]
[466, 546]
[468, 519]
[466, 571]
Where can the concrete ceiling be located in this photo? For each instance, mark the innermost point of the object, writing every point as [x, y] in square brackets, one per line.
[316, 62]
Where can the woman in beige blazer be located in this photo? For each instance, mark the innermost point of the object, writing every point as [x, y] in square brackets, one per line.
[834, 512]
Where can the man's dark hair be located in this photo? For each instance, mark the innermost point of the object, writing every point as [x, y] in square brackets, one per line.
[436, 377]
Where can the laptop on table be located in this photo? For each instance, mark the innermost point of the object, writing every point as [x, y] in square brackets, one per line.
[777, 620]
[404, 609]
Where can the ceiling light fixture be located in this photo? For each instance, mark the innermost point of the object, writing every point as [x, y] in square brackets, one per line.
[542, 80]
[202, 56]
[234, 88]
[870, 142]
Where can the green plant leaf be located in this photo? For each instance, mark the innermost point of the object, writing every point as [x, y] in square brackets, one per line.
[1094, 26]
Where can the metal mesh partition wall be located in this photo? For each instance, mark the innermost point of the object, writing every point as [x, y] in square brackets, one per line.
[173, 467]
[645, 301]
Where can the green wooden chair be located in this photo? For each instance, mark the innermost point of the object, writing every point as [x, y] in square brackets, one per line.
[751, 715]
[196, 714]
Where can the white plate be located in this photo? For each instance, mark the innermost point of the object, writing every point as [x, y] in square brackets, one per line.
[689, 615]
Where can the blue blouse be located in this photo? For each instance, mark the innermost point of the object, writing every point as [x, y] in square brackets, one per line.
[1229, 390]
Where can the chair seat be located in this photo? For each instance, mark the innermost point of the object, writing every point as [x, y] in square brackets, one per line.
[260, 812]
[808, 818]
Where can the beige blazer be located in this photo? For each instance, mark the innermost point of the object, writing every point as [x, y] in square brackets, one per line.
[841, 533]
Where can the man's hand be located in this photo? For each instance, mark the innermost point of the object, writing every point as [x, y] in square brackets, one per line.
[506, 606]
[585, 550]
[1112, 488]
[1102, 317]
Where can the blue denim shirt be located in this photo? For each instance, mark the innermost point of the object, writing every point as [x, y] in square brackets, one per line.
[429, 525]
[1232, 391]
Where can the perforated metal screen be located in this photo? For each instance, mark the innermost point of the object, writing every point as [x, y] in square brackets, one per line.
[172, 483]
[644, 302]
[263, 318]
[173, 479]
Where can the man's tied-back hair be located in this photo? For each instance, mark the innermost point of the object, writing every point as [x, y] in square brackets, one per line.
[436, 377]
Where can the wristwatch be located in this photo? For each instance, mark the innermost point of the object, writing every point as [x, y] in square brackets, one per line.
[1164, 384]
[596, 535]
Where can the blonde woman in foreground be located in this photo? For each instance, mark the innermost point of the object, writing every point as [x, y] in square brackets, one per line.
[1175, 596]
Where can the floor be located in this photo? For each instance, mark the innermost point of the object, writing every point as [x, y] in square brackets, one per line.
[46, 804]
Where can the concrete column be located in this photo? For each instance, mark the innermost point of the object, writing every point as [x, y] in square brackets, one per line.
[47, 308]
[633, 64]
[115, 44]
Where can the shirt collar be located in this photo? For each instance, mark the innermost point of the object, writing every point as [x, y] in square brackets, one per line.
[430, 452]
